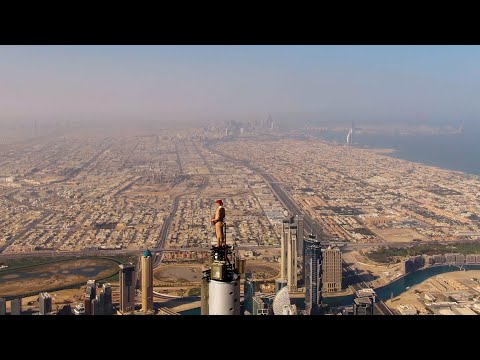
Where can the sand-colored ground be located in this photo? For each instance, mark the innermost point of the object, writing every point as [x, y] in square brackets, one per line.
[399, 235]
[431, 285]
[382, 151]
[262, 270]
[51, 276]
[192, 273]
[180, 273]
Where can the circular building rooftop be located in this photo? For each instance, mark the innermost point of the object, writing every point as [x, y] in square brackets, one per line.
[147, 253]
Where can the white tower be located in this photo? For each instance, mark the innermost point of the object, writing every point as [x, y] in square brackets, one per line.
[221, 283]
[349, 137]
[224, 297]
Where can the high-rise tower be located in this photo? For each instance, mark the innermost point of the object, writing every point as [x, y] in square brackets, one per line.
[332, 269]
[147, 282]
[106, 299]
[16, 306]
[90, 294]
[289, 252]
[3, 306]
[45, 303]
[313, 275]
[127, 288]
[300, 227]
[249, 293]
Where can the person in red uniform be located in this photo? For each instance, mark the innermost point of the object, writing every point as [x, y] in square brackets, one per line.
[218, 222]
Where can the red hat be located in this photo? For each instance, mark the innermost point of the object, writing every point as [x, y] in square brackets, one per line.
[219, 202]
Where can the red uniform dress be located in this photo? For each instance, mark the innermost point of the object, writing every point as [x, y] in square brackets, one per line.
[219, 216]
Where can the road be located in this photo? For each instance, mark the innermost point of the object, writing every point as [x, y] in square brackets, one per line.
[310, 226]
[33, 224]
[379, 307]
[163, 249]
[162, 238]
[203, 158]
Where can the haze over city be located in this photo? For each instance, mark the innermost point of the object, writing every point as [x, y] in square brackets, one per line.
[166, 84]
[239, 180]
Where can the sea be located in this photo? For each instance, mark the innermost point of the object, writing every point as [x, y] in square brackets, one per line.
[454, 151]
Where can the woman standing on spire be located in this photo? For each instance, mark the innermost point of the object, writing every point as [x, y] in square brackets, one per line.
[218, 222]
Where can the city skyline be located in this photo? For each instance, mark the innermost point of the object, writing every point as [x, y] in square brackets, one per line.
[347, 177]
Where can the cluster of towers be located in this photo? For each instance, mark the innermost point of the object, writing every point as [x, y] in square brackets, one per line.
[321, 268]
[220, 290]
[322, 271]
[128, 285]
[98, 303]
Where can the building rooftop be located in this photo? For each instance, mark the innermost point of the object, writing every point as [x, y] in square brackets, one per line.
[362, 301]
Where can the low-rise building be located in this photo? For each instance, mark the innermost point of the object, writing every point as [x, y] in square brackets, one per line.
[407, 309]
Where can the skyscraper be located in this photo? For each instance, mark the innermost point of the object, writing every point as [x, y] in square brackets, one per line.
[249, 291]
[332, 269]
[102, 304]
[91, 289]
[147, 282]
[106, 299]
[363, 306]
[16, 306]
[3, 306]
[45, 303]
[127, 288]
[300, 222]
[289, 252]
[313, 275]
[90, 294]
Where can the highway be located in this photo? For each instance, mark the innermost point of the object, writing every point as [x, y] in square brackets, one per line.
[310, 226]
[164, 232]
[47, 253]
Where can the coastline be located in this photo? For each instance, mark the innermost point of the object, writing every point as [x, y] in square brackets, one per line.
[398, 155]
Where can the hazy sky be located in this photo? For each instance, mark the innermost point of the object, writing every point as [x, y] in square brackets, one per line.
[390, 83]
